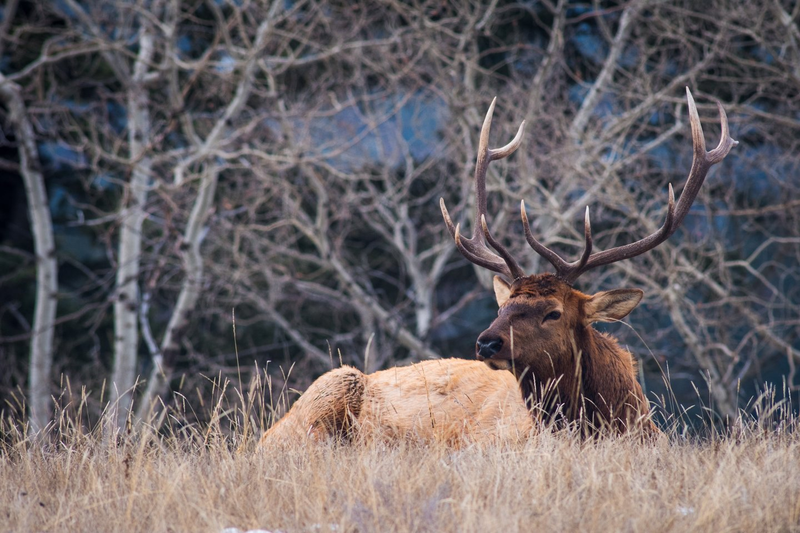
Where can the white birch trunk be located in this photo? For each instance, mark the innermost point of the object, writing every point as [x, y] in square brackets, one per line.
[126, 332]
[46, 266]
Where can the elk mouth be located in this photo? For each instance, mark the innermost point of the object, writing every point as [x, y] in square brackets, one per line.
[497, 364]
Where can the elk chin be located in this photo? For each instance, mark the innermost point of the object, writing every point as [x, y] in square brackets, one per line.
[498, 364]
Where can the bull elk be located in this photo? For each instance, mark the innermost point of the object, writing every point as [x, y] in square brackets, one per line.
[539, 359]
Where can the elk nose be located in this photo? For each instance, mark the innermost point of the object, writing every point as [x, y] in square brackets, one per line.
[488, 347]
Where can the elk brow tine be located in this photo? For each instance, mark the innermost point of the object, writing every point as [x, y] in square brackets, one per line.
[570, 271]
[447, 220]
[465, 246]
[480, 260]
[558, 263]
[513, 267]
[477, 249]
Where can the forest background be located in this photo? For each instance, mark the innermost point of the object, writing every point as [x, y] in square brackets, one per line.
[169, 163]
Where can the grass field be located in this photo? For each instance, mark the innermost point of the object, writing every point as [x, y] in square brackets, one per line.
[208, 477]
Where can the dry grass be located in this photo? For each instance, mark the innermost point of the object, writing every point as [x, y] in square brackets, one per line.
[206, 477]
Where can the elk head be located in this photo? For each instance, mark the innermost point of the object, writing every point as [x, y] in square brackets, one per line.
[543, 330]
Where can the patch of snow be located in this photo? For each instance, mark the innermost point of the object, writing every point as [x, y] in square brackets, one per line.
[237, 530]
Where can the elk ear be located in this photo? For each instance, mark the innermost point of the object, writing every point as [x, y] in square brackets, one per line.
[610, 306]
[502, 290]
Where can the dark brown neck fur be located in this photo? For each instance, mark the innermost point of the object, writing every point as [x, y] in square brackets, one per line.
[601, 391]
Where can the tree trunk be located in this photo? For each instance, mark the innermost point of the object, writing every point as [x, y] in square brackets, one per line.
[126, 332]
[46, 266]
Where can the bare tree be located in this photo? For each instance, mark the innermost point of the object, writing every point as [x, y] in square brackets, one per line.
[43, 327]
[206, 152]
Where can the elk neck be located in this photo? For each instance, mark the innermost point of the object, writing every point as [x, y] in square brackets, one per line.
[584, 374]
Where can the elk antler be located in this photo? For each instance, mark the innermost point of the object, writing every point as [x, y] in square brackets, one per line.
[701, 163]
[475, 249]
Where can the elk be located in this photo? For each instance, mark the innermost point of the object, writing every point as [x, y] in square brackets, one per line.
[540, 359]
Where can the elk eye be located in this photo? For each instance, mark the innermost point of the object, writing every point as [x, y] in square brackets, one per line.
[552, 315]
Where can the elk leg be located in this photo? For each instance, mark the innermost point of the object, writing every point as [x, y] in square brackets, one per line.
[327, 409]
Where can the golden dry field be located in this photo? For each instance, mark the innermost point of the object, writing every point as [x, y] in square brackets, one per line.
[208, 477]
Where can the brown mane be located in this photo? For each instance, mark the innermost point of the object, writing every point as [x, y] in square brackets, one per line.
[567, 370]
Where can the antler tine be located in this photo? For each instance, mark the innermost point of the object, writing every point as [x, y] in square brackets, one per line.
[702, 160]
[558, 263]
[510, 148]
[477, 254]
[516, 271]
[701, 163]
[628, 250]
[495, 264]
[563, 269]
[485, 156]
[474, 249]
[587, 234]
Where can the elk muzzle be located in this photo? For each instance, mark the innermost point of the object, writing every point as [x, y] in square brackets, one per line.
[487, 346]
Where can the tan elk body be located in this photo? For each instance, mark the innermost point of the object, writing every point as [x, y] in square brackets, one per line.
[451, 401]
[540, 359]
